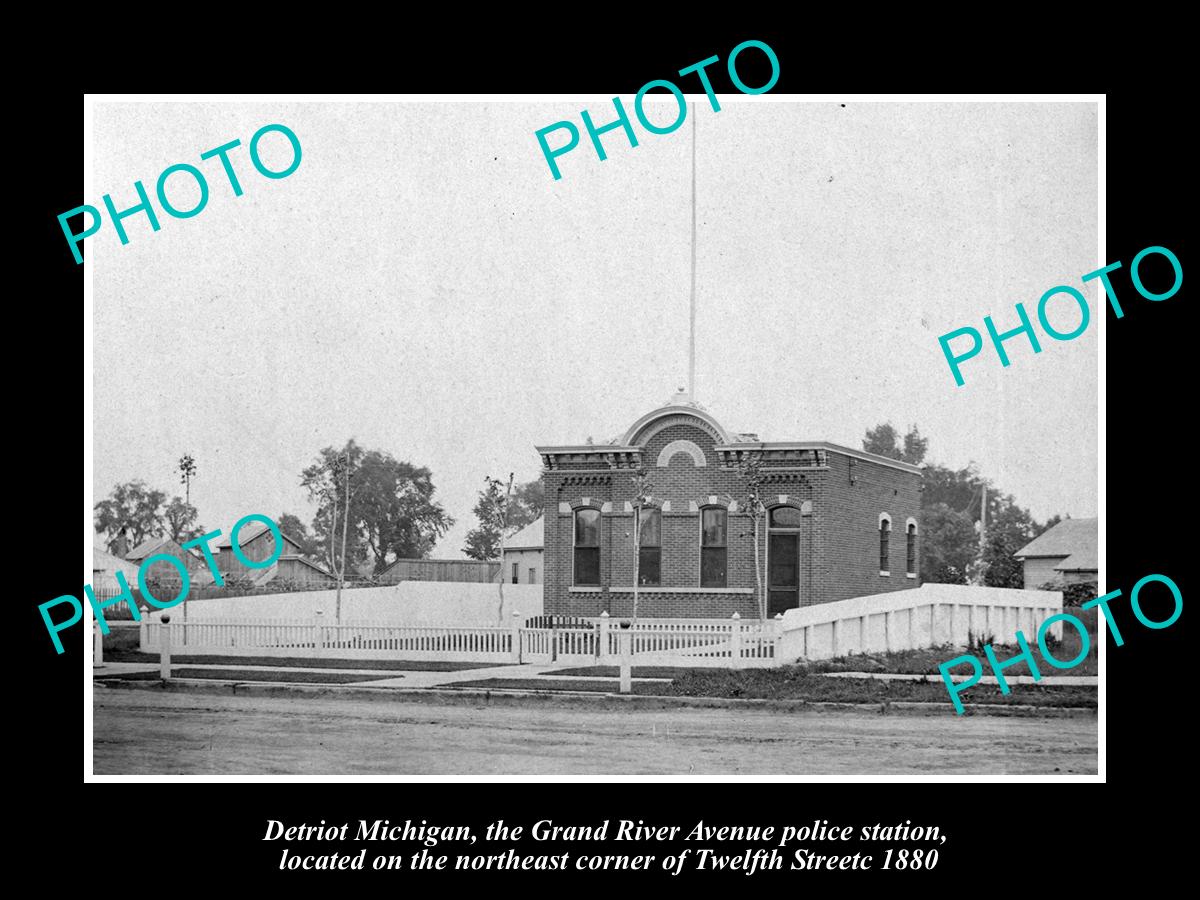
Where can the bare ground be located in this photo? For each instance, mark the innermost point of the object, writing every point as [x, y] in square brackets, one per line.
[140, 732]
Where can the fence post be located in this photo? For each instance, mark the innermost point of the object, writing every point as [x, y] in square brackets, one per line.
[143, 634]
[318, 633]
[604, 655]
[516, 636]
[626, 638]
[164, 653]
[735, 640]
[778, 635]
[97, 646]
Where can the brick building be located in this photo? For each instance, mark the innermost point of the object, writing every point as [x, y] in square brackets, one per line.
[840, 522]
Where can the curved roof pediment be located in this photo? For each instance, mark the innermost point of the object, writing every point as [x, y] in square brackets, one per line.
[673, 414]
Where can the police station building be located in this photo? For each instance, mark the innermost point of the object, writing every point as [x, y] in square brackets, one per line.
[840, 523]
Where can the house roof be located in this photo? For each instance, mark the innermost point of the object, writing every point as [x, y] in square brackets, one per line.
[308, 562]
[531, 537]
[103, 561]
[1084, 561]
[1074, 539]
[146, 547]
[249, 533]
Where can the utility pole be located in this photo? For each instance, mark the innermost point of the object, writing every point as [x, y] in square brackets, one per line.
[345, 525]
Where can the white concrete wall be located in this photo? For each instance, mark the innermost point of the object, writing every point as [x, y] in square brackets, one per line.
[929, 616]
[408, 603]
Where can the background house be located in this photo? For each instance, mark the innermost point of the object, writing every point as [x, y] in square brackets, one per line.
[523, 554]
[104, 568]
[1067, 552]
[257, 543]
[162, 571]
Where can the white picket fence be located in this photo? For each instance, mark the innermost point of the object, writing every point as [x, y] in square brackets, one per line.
[725, 643]
[933, 615]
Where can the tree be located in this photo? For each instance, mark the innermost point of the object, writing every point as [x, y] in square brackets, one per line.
[952, 548]
[328, 481]
[395, 511]
[948, 544]
[492, 508]
[641, 497]
[133, 506]
[180, 519]
[750, 472]
[529, 503]
[884, 440]
[1009, 529]
[294, 527]
[525, 506]
[187, 471]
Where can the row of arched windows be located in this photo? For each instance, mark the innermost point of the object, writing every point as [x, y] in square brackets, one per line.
[885, 531]
[714, 547]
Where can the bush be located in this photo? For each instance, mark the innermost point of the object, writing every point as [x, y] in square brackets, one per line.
[1074, 594]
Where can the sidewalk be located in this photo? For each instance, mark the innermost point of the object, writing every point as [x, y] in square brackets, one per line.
[396, 678]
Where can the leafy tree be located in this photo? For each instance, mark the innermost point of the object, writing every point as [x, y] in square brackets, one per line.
[1008, 530]
[328, 481]
[492, 509]
[641, 496]
[948, 544]
[528, 504]
[525, 506]
[394, 509]
[294, 527]
[885, 441]
[951, 510]
[187, 471]
[750, 472]
[133, 506]
[180, 518]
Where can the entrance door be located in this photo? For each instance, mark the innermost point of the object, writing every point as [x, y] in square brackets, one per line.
[783, 572]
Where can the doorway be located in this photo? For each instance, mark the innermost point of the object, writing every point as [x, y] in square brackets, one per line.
[783, 572]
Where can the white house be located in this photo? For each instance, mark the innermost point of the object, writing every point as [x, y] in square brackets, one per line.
[523, 554]
[1066, 552]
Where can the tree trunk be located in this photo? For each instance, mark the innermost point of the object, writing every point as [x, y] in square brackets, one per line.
[758, 579]
[637, 557]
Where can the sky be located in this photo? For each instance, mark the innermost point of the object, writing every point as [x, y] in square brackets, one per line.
[422, 284]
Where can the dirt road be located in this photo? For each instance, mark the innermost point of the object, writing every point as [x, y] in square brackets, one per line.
[140, 732]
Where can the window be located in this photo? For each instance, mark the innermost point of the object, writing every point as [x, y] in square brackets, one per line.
[516, 577]
[885, 530]
[713, 545]
[912, 548]
[650, 548]
[785, 517]
[587, 547]
[533, 576]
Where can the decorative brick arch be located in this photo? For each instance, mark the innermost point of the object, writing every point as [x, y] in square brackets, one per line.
[652, 423]
[567, 507]
[685, 447]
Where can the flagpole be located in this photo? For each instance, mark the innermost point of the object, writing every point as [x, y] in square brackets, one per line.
[692, 310]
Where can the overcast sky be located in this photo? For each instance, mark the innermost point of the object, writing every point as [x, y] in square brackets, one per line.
[421, 283]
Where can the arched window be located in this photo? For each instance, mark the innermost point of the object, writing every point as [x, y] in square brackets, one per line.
[650, 547]
[785, 517]
[885, 531]
[912, 548]
[587, 547]
[714, 542]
